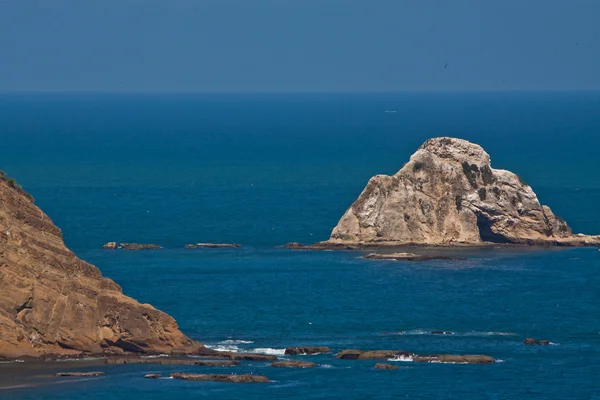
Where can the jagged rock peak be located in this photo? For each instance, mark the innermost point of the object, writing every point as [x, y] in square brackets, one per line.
[51, 302]
[448, 193]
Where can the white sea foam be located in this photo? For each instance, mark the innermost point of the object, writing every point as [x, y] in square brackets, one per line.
[325, 366]
[401, 359]
[156, 356]
[452, 333]
[219, 347]
[233, 341]
[270, 351]
[12, 361]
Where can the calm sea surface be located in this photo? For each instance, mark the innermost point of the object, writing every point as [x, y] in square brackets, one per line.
[263, 170]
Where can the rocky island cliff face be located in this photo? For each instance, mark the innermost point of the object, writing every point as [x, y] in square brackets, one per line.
[51, 302]
[448, 193]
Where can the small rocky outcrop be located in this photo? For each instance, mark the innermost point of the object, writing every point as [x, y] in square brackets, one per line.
[410, 257]
[212, 245]
[110, 246]
[533, 342]
[53, 303]
[221, 378]
[80, 374]
[139, 246]
[293, 364]
[227, 355]
[295, 351]
[448, 194]
[386, 366]
[152, 376]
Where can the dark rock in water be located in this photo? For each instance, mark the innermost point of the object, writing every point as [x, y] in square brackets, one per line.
[531, 341]
[152, 376]
[294, 351]
[171, 361]
[211, 245]
[293, 364]
[349, 354]
[386, 366]
[441, 333]
[410, 257]
[227, 355]
[371, 355]
[454, 359]
[139, 246]
[325, 246]
[80, 374]
[110, 246]
[221, 378]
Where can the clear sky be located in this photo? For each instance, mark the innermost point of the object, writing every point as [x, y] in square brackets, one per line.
[299, 45]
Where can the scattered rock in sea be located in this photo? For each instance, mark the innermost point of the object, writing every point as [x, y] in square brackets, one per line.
[80, 374]
[354, 354]
[386, 366]
[171, 361]
[110, 246]
[442, 333]
[293, 364]
[139, 246]
[403, 355]
[221, 378]
[409, 257]
[212, 245]
[152, 376]
[295, 351]
[532, 341]
[448, 194]
[228, 355]
[325, 246]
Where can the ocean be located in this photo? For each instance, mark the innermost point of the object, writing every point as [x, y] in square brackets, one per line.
[265, 169]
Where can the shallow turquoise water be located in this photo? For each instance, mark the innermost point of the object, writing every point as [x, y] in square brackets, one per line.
[268, 169]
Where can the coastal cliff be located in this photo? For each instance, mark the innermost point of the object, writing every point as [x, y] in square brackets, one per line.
[448, 193]
[51, 302]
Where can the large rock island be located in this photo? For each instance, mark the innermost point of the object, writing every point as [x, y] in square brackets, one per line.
[51, 302]
[446, 194]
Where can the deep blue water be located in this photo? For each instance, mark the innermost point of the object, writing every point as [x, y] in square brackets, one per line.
[263, 170]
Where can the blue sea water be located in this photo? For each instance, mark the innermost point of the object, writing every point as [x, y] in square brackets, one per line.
[263, 170]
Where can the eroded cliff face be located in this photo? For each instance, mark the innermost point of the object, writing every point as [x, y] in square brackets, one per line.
[51, 302]
[448, 194]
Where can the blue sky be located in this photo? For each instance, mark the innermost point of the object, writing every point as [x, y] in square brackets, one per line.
[294, 45]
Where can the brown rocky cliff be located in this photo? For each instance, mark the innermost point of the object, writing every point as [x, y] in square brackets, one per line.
[448, 193]
[51, 302]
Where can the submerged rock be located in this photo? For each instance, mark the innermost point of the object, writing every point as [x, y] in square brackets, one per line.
[152, 376]
[139, 246]
[409, 257]
[531, 341]
[212, 245]
[51, 302]
[294, 351]
[449, 194]
[80, 374]
[442, 333]
[386, 366]
[293, 364]
[221, 378]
